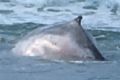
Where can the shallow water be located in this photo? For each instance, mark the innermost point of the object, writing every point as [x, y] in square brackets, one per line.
[101, 18]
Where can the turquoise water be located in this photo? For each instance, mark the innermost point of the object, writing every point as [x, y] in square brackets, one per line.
[101, 18]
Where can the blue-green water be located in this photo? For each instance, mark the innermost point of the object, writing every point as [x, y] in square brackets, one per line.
[31, 68]
[100, 17]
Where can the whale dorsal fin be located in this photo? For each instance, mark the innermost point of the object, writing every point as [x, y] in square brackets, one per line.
[85, 39]
[79, 19]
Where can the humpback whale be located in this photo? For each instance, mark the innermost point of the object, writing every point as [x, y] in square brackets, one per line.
[63, 41]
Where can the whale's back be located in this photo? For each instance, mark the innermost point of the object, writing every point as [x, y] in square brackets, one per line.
[68, 41]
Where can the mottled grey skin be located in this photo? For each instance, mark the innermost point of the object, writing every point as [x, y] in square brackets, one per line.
[86, 41]
[65, 41]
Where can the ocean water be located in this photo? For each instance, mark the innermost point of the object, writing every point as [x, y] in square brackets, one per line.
[100, 17]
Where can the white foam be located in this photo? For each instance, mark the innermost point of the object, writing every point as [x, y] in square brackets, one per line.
[27, 11]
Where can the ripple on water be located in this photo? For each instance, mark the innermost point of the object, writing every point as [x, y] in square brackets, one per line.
[6, 12]
[5, 0]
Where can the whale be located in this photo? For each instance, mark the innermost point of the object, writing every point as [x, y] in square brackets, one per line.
[63, 41]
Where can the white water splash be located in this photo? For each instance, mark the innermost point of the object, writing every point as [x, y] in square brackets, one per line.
[97, 13]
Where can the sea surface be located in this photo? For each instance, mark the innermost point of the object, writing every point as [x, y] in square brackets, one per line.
[100, 17]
